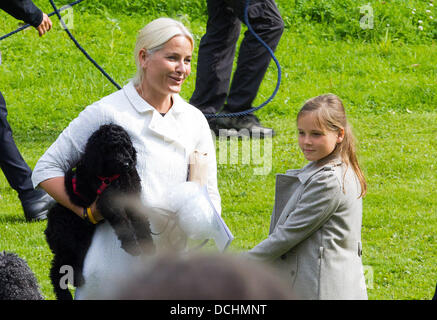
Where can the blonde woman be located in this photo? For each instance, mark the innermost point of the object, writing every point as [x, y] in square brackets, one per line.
[315, 229]
[164, 129]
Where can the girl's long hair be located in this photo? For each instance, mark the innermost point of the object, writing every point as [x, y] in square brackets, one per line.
[330, 115]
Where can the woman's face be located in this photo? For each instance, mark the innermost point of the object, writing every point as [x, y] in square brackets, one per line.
[315, 142]
[166, 69]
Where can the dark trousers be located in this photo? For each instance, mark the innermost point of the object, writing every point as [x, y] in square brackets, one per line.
[435, 294]
[15, 169]
[217, 50]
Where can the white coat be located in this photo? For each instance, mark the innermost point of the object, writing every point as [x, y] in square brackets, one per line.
[163, 146]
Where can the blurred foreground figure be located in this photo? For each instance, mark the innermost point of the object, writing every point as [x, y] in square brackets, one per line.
[204, 277]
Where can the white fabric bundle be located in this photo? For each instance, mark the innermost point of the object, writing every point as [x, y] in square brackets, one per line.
[193, 211]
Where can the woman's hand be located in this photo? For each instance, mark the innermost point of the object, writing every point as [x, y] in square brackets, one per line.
[56, 188]
[95, 212]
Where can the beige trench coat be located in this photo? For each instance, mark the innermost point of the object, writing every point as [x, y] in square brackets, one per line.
[315, 232]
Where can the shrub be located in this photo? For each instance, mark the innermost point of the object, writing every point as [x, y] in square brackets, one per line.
[411, 21]
[192, 8]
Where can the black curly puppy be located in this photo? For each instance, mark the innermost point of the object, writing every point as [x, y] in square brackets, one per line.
[105, 171]
[17, 281]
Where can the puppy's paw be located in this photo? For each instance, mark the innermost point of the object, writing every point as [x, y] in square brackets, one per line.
[131, 247]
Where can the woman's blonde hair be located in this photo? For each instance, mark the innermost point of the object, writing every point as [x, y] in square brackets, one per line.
[330, 115]
[154, 36]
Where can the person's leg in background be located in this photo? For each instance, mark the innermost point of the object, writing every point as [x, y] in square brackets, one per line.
[215, 58]
[253, 59]
[435, 294]
[35, 202]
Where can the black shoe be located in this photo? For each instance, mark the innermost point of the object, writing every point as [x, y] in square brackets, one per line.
[250, 126]
[247, 126]
[223, 126]
[37, 205]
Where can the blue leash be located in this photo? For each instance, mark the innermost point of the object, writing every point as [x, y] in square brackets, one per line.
[207, 115]
[57, 12]
[81, 48]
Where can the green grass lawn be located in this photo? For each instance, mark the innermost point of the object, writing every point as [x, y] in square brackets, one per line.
[389, 90]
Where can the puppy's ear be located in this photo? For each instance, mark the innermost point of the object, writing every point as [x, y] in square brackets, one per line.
[93, 159]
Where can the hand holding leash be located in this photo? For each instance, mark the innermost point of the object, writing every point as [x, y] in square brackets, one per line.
[45, 25]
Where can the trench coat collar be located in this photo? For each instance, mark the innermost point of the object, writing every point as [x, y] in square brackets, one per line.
[312, 168]
[142, 106]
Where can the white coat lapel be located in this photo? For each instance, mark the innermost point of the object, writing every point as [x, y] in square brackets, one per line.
[164, 126]
[170, 126]
[167, 126]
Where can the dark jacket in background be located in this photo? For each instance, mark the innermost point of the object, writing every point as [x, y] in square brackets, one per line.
[15, 169]
[23, 10]
[435, 294]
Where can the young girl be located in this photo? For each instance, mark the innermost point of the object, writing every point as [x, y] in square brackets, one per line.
[315, 228]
